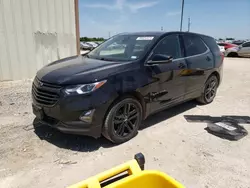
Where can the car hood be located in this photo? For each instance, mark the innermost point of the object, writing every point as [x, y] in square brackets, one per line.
[79, 70]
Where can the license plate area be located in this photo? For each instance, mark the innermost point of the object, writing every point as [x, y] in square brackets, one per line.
[38, 111]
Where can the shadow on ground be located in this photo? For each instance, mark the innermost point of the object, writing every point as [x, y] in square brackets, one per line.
[88, 144]
[68, 141]
[168, 113]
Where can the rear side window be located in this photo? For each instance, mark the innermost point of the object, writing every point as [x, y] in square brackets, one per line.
[247, 44]
[211, 43]
[193, 45]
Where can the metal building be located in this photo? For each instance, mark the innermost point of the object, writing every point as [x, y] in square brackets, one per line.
[34, 33]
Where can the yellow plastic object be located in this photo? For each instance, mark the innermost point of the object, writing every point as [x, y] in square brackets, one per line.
[136, 178]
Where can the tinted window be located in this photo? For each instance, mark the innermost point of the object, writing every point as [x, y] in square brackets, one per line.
[193, 45]
[169, 46]
[211, 43]
[247, 44]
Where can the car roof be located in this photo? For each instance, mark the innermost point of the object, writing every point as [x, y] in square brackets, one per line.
[154, 33]
[160, 33]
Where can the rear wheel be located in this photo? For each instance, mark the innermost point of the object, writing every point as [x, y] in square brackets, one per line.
[123, 120]
[209, 91]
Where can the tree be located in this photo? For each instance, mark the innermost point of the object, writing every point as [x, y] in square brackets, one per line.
[88, 39]
[229, 38]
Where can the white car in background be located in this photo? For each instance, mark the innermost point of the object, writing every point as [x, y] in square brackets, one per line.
[85, 46]
[239, 51]
[222, 49]
[93, 44]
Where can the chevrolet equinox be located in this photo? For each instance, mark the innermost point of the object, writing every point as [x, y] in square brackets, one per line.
[114, 87]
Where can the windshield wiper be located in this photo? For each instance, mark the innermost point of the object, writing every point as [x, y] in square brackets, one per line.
[99, 58]
[105, 59]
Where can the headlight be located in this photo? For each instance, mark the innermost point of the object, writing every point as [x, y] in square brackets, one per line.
[84, 88]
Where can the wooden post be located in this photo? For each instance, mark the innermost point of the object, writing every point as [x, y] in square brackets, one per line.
[77, 27]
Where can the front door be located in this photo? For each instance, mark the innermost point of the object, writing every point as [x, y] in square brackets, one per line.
[167, 86]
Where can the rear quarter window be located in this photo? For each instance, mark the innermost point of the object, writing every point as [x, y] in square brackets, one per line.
[193, 45]
[211, 43]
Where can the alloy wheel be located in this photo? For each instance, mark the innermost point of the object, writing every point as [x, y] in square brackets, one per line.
[210, 90]
[125, 119]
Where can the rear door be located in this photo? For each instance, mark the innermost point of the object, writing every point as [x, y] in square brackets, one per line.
[244, 50]
[168, 87]
[199, 61]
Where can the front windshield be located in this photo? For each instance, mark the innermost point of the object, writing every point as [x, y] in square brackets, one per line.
[122, 48]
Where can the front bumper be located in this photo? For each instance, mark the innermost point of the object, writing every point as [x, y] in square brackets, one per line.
[71, 124]
[73, 127]
[65, 114]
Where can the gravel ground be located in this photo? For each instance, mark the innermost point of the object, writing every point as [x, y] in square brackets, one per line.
[47, 158]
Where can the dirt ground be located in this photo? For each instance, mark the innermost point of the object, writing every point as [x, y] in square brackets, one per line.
[47, 158]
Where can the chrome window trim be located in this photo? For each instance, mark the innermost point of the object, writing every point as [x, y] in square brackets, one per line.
[182, 58]
[208, 50]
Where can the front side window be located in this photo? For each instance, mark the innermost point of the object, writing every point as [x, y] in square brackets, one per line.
[122, 48]
[169, 46]
[193, 45]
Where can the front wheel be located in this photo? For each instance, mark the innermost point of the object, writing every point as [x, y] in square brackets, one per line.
[209, 91]
[123, 120]
[232, 54]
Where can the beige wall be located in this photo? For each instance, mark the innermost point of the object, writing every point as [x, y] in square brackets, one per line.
[33, 33]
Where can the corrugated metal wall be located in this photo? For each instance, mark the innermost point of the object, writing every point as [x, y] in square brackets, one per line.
[33, 33]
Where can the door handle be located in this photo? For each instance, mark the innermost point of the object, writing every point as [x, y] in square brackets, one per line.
[181, 66]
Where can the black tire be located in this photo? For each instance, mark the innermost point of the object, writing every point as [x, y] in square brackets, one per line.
[128, 114]
[209, 90]
[233, 54]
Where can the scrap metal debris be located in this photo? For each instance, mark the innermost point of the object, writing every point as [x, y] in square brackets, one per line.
[60, 161]
[227, 130]
[226, 127]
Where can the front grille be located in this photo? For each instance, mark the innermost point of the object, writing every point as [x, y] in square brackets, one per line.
[45, 93]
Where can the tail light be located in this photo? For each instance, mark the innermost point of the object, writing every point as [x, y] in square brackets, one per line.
[222, 57]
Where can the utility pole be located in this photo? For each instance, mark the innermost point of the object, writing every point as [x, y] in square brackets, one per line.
[182, 8]
[189, 24]
[161, 28]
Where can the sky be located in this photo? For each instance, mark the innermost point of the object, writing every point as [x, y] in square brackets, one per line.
[217, 18]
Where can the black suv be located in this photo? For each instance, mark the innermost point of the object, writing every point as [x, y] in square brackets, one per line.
[113, 88]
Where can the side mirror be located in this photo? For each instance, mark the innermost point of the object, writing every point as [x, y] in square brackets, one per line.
[160, 59]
